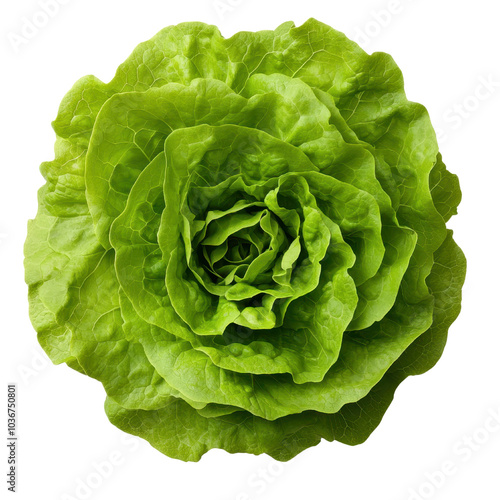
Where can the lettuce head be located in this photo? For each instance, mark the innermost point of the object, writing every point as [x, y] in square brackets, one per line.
[244, 240]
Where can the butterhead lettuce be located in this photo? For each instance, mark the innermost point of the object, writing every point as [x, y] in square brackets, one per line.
[244, 240]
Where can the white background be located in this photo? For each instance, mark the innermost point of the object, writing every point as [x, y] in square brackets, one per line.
[446, 49]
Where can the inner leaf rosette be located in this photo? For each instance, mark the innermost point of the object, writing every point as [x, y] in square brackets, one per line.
[244, 240]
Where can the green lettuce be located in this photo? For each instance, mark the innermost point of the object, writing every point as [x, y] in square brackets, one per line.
[244, 240]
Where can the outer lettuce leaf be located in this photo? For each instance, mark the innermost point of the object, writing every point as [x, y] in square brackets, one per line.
[285, 437]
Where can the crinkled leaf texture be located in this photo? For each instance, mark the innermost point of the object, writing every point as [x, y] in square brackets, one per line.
[244, 240]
